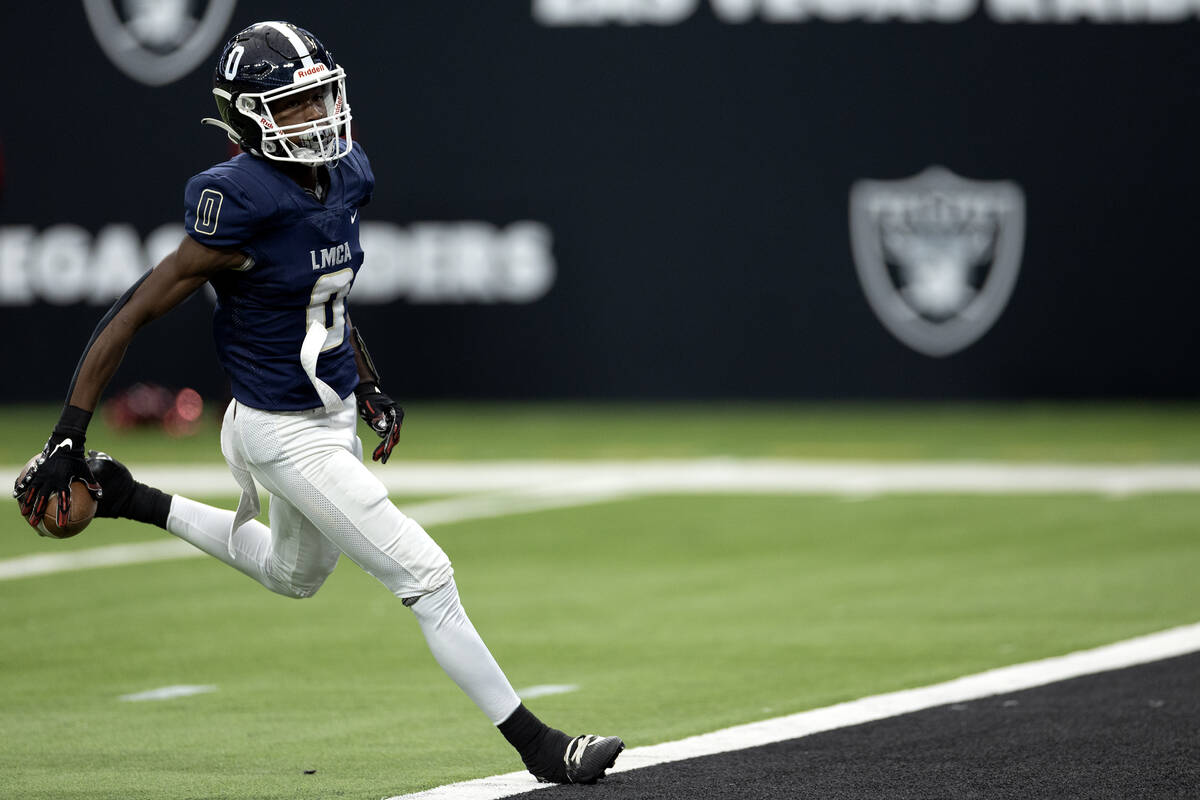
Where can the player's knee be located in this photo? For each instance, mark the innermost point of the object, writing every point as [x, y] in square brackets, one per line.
[409, 587]
[292, 590]
[301, 580]
[297, 587]
[414, 568]
[436, 606]
[303, 592]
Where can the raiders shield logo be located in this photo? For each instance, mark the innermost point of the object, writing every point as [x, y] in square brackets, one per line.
[937, 255]
[157, 42]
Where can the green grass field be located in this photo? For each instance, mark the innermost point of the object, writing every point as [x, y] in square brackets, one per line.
[674, 615]
[433, 430]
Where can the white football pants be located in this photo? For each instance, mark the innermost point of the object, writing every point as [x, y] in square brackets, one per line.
[324, 501]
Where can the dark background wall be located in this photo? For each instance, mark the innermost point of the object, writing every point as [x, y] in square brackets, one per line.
[692, 179]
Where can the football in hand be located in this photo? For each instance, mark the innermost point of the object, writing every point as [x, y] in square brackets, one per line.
[83, 509]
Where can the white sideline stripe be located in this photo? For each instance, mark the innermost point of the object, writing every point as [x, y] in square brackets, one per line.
[514, 487]
[167, 693]
[729, 475]
[109, 556]
[429, 514]
[546, 689]
[1140, 650]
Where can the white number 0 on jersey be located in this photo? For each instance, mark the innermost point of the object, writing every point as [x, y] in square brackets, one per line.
[328, 306]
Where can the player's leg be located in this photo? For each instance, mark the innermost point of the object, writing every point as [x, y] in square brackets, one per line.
[551, 755]
[314, 460]
[291, 557]
[351, 507]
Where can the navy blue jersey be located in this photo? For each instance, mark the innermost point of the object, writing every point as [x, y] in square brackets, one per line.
[305, 254]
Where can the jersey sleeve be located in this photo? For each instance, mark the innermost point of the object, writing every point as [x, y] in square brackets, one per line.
[218, 212]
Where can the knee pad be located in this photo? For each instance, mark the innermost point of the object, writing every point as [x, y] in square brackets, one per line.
[300, 585]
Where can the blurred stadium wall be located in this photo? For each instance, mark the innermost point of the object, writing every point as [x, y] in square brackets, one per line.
[656, 198]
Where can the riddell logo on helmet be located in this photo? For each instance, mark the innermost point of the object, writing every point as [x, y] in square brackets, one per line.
[304, 73]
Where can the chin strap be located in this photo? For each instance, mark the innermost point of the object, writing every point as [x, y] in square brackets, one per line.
[233, 137]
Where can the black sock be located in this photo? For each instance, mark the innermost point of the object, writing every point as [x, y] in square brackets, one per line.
[541, 747]
[147, 504]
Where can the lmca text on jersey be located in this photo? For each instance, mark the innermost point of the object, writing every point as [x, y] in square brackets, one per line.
[331, 256]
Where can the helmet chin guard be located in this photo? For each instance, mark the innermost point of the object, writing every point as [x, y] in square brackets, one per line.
[269, 63]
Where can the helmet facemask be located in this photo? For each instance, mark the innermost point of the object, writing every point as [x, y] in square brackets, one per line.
[312, 141]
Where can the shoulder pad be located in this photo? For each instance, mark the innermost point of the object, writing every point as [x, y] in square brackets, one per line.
[226, 204]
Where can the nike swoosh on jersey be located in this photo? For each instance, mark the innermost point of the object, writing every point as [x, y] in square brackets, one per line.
[353, 216]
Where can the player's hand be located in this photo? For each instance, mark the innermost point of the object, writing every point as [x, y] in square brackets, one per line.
[383, 415]
[60, 463]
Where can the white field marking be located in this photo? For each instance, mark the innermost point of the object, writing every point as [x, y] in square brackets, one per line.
[513, 501]
[432, 513]
[512, 487]
[770, 476]
[546, 689]
[108, 556]
[167, 693]
[1140, 650]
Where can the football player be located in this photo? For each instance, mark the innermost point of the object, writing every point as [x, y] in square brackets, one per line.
[275, 231]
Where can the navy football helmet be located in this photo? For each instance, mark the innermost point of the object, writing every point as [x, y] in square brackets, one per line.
[267, 64]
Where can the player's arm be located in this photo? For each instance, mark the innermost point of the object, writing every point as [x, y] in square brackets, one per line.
[170, 283]
[157, 292]
[377, 409]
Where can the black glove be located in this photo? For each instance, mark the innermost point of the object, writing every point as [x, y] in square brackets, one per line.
[61, 462]
[382, 414]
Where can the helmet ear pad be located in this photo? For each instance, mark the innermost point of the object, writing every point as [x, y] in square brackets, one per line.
[236, 114]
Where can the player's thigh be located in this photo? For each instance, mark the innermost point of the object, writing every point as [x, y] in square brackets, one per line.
[351, 507]
[311, 464]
